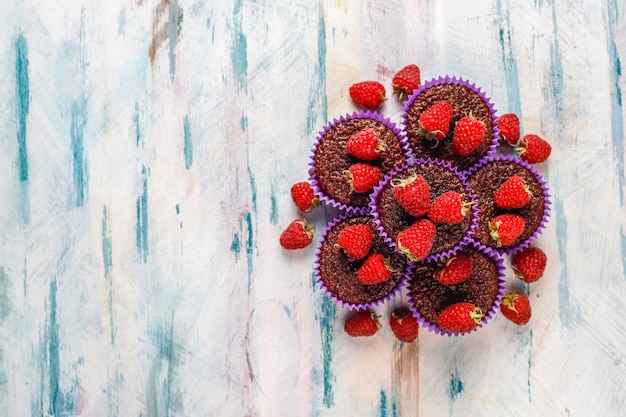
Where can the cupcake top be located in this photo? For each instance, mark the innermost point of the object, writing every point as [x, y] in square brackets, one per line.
[392, 217]
[484, 288]
[336, 272]
[465, 99]
[486, 179]
[331, 161]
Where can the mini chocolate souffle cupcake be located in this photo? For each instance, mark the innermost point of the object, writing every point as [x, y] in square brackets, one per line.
[465, 99]
[336, 272]
[485, 179]
[391, 218]
[427, 297]
[330, 159]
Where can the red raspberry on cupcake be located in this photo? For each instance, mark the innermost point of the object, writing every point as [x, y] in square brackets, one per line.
[363, 177]
[416, 240]
[468, 135]
[449, 208]
[413, 194]
[455, 270]
[506, 228]
[365, 145]
[356, 240]
[434, 123]
[374, 270]
[461, 317]
[512, 194]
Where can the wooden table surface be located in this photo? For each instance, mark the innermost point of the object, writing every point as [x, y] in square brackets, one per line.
[147, 149]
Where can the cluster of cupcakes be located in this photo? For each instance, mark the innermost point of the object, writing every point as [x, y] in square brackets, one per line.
[427, 205]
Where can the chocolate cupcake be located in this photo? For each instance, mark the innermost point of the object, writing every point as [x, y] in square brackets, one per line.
[485, 179]
[484, 288]
[466, 99]
[330, 159]
[336, 272]
[392, 218]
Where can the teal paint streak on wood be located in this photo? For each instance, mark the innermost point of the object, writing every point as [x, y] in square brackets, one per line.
[239, 49]
[273, 205]
[188, 145]
[509, 63]
[174, 27]
[382, 407]
[107, 249]
[52, 367]
[318, 102]
[137, 124]
[107, 259]
[142, 217]
[617, 117]
[5, 301]
[568, 313]
[235, 246]
[249, 248]
[164, 396]
[77, 132]
[455, 388]
[326, 316]
[22, 97]
[325, 309]
[394, 407]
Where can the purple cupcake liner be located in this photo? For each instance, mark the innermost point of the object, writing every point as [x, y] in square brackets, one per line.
[320, 280]
[454, 80]
[499, 263]
[373, 115]
[376, 216]
[547, 202]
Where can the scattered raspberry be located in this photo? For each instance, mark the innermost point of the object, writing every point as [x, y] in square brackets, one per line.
[374, 270]
[461, 317]
[455, 270]
[356, 240]
[363, 177]
[512, 194]
[368, 94]
[303, 196]
[534, 149]
[362, 323]
[404, 325]
[468, 135]
[365, 145]
[413, 194]
[506, 228]
[416, 240]
[449, 208]
[406, 81]
[509, 128]
[434, 123]
[516, 307]
[297, 235]
[529, 264]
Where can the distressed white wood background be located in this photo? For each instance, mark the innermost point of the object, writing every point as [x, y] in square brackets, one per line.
[147, 148]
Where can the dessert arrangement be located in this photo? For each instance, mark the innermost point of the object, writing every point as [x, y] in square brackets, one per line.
[429, 209]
